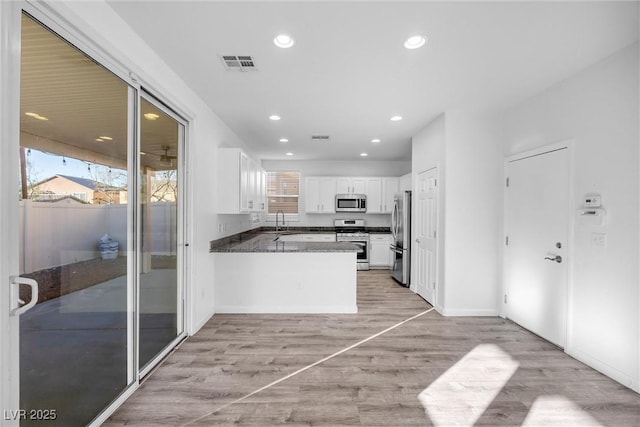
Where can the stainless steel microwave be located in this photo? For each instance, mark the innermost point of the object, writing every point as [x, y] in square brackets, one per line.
[351, 203]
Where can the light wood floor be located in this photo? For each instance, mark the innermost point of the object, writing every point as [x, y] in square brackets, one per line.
[432, 370]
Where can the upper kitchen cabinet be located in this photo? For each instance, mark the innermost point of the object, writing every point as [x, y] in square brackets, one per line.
[320, 195]
[390, 186]
[241, 183]
[380, 192]
[348, 185]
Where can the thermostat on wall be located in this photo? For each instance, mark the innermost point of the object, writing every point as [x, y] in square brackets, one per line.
[592, 201]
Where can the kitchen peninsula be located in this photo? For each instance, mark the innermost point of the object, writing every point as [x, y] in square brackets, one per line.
[272, 273]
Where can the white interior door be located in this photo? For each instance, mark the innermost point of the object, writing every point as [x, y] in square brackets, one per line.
[537, 218]
[426, 202]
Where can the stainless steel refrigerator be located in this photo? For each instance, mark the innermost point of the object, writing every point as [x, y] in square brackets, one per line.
[401, 232]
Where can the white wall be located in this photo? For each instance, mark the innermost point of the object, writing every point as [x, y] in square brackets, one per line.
[465, 146]
[473, 213]
[97, 21]
[338, 168]
[598, 108]
[428, 152]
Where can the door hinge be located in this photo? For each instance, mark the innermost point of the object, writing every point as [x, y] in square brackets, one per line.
[507, 182]
[505, 298]
[506, 240]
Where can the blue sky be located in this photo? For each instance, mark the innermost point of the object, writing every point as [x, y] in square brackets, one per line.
[45, 165]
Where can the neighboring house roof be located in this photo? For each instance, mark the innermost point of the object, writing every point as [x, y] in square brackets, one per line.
[85, 182]
[54, 198]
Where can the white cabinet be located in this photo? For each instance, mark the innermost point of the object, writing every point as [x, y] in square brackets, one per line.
[349, 185]
[308, 237]
[390, 187]
[319, 237]
[321, 191]
[380, 255]
[240, 187]
[373, 191]
[320, 195]
[380, 192]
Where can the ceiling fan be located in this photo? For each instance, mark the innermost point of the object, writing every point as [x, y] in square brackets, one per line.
[165, 158]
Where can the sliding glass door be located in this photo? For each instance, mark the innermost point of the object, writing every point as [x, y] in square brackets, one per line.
[160, 291]
[99, 285]
[76, 343]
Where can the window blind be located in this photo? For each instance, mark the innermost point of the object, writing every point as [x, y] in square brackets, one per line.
[283, 191]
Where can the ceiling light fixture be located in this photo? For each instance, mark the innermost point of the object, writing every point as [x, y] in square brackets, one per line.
[151, 116]
[274, 118]
[363, 154]
[106, 138]
[396, 118]
[415, 42]
[284, 140]
[284, 41]
[99, 139]
[289, 154]
[375, 140]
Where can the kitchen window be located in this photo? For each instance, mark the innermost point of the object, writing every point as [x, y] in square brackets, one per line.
[283, 194]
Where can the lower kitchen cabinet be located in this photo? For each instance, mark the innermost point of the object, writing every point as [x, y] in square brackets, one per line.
[380, 255]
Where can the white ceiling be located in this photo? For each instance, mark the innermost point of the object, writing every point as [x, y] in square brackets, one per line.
[348, 72]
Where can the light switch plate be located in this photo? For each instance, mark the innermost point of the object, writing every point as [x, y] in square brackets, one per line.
[592, 201]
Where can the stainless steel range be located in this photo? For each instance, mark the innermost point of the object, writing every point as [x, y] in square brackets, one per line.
[353, 231]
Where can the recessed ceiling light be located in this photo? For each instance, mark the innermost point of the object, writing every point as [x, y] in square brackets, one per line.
[99, 139]
[42, 118]
[284, 140]
[106, 138]
[375, 140]
[415, 42]
[151, 116]
[363, 154]
[274, 117]
[284, 41]
[396, 118]
[289, 154]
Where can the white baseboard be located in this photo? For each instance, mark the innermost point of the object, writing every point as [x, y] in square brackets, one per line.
[466, 312]
[263, 309]
[195, 327]
[604, 368]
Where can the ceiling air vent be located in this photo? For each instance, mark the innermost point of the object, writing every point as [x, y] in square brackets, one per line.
[319, 138]
[238, 62]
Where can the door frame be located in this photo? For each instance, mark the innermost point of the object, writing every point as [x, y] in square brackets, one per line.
[414, 198]
[182, 231]
[569, 145]
[9, 213]
[439, 233]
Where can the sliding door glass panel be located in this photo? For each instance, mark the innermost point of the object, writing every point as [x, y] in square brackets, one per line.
[159, 290]
[74, 240]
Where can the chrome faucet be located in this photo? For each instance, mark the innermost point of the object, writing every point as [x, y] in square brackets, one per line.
[279, 212]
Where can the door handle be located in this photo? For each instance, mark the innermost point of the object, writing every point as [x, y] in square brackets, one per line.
[16, 281]
[556, 258]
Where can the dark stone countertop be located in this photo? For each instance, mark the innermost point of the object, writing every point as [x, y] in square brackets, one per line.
[267, 243]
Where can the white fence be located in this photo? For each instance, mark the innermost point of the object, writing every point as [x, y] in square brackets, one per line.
[54, 234]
